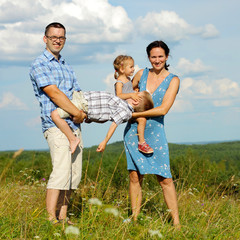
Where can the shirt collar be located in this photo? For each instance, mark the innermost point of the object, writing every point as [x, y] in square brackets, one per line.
[130, 107]
[50, 57]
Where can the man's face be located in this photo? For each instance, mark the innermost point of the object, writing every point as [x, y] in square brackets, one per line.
[55, 45]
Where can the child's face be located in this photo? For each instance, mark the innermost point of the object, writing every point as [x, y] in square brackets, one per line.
[129, 68]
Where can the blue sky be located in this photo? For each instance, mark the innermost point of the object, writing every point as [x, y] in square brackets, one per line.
[203, 37]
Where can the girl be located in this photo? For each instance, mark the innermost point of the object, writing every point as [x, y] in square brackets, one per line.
[124, 68]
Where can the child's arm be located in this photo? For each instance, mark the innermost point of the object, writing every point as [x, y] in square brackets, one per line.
[110, 132]
[125, 96]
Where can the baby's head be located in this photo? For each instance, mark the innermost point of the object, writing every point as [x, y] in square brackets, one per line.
[145, 102]
[120, 63]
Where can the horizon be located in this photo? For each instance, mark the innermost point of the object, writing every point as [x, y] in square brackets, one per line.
[204, 54]
[186, 143]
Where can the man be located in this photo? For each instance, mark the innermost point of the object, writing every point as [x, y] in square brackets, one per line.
[53, 82]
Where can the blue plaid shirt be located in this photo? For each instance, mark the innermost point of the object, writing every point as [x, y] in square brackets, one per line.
[46, 70]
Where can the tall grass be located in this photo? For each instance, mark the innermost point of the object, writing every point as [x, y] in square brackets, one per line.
[209, 207]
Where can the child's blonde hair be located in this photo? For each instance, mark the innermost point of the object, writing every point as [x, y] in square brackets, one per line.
[119, 62]
[145, 103]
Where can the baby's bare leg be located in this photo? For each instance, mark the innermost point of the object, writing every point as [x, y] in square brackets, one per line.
[63, 126]
[140, 129]
[142, 145]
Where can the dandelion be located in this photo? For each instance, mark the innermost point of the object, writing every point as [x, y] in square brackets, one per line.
[72, 230]
[155, 233]
[95, 201]
[113, 211]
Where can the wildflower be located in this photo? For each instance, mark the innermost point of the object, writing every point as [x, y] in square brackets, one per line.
[37, 237]
[95, 201]
[155, 232]
[43, 179]
[72, 230]
[128, 220]
[57, 234]
[114, 211]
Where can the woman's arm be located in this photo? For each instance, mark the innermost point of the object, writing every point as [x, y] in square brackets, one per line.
[167, 102]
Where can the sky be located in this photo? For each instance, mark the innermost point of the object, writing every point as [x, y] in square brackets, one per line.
[203, 37]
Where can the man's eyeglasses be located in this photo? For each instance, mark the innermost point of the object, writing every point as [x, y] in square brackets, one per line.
[54, 38]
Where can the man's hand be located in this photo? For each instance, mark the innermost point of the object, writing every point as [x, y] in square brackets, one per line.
[80, 117]
[101, 146]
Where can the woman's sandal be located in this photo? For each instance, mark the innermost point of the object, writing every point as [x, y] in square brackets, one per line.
[66, 221]
[54, 221]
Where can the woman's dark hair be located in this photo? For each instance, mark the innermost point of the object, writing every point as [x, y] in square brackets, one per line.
[55, 25]
[158, 44]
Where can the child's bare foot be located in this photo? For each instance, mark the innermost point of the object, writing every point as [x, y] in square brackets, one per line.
[74, 144]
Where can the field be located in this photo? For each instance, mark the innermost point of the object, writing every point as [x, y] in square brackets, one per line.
[207, 179]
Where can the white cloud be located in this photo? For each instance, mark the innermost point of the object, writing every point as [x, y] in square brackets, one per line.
[210, 88]
[9, 101]
[181, 105]
[93, 21]
[14, 11]
[33, 122]
[218, 93]
[109, 82]
[101, 57]
[226, 87]
[167, 25]
[222, 103]
[185, 67]
[209, 31]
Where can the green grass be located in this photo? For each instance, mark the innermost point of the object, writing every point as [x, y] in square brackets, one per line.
[209, 204]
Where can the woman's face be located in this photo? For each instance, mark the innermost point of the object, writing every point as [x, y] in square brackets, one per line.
[158, 58]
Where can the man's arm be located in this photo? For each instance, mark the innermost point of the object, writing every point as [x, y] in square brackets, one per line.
[110, 132]
[62, 101]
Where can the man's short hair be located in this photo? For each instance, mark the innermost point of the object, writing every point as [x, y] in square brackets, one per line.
[55, 25]
[145, 103]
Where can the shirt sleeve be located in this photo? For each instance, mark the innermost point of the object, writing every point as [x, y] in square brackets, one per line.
[42, 75]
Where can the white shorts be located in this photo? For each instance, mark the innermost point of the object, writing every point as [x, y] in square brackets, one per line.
[79, 101]
[66, 167]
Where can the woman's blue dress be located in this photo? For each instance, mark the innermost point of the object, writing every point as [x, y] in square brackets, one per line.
[158, 162]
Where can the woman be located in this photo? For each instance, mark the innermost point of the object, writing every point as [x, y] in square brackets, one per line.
[163, 86]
